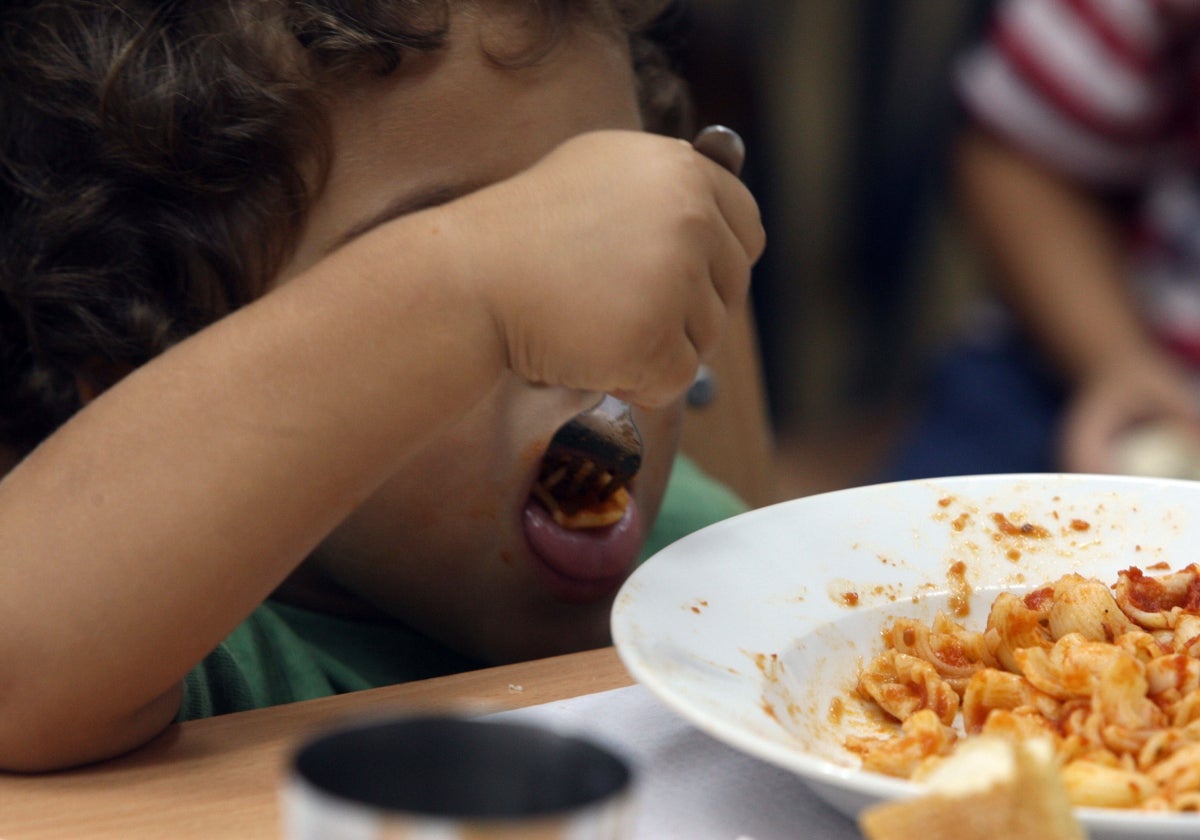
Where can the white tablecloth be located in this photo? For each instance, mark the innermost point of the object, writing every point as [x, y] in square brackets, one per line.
[691, 786]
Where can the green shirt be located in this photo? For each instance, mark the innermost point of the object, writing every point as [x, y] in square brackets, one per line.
[283, 653]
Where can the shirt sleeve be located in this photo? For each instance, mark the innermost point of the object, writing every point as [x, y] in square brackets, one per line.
[262, 663]
[283, 653]
[1095, 88]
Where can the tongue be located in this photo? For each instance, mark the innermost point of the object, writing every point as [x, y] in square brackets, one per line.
[588, 554]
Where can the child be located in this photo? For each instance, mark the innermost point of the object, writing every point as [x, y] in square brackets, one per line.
[294, 295]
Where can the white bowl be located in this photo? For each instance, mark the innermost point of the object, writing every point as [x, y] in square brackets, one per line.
[753, 629]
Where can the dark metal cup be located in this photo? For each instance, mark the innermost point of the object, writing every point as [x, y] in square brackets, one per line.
[445, 778]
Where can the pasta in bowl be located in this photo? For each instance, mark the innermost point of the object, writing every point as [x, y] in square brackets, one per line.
[759, 630]
[1109, 676]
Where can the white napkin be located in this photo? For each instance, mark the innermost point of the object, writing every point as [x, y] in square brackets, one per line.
[693, 787]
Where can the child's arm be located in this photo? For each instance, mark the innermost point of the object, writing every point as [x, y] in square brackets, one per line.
[1059, 260]
[140, 534]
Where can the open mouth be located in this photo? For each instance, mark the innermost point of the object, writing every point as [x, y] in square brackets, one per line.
[584, 475]
[578, 493]
[582, 522]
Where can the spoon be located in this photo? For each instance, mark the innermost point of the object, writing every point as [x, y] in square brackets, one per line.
[598, 451]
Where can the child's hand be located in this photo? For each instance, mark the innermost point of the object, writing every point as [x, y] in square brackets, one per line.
[613, 263]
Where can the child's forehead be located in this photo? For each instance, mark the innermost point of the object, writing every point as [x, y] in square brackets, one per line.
[454, 121]
[421, 24]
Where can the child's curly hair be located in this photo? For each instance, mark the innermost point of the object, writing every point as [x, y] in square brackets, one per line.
[153, 163]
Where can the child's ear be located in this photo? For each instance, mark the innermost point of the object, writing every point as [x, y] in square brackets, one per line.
[8, 458]
[96, 376]
[85, 388]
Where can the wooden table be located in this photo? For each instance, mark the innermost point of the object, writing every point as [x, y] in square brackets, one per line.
[220, 777]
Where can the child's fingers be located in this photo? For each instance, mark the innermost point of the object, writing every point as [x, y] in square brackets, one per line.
[734, 242]
[740, 211]
[669, 370]
[706, 321]
[666, 374]
[729, 269]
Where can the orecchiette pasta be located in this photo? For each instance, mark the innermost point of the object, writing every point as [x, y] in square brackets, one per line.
[1110, 675]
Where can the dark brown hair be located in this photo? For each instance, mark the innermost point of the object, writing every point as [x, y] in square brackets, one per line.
[157, 157]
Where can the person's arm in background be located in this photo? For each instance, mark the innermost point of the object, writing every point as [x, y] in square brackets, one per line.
[1057, 260]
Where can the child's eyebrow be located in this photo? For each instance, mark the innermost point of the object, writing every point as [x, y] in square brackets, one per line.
[402, 206]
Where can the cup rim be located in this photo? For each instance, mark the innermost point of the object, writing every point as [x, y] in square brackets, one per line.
[311, 773]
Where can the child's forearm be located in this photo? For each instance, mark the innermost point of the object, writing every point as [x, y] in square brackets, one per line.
[1057, 257]
[144, 531]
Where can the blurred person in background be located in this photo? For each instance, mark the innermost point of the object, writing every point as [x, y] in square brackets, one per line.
[1077, 171]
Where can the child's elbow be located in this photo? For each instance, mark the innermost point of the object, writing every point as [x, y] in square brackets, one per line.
[32, 741]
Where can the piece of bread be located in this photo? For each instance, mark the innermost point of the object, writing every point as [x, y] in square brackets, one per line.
[991, 788]
[1158, 449]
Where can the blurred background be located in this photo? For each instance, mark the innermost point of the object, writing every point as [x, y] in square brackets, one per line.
[847, 110]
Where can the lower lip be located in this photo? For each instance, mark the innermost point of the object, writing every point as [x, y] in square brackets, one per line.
[613, 551]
